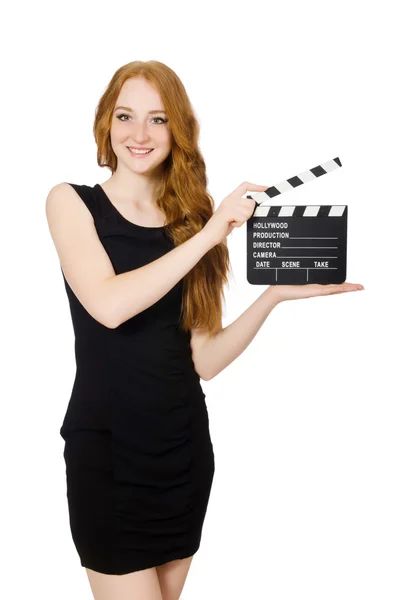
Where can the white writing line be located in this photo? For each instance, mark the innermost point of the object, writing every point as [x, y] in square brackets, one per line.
[293, 268]
[311, 247]
[279, 257]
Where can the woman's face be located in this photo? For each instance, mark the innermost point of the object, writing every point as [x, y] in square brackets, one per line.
[140, 122]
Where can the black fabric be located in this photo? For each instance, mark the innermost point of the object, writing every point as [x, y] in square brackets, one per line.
[138, 452]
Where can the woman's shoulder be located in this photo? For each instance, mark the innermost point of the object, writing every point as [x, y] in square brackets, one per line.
[66, 190]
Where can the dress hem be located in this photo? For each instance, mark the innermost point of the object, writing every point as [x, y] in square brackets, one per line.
[156, 563]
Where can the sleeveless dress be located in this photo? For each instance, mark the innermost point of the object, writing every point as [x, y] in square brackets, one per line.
[138, 452]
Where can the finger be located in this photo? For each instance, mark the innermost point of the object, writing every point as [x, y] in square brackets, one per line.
[342, 287]
[248, 202]
[246, 186]
[251, 204]
[256, 204]
[245, 210]
[236, 223]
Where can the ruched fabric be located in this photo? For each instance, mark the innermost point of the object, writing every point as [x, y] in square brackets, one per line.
[138, 452]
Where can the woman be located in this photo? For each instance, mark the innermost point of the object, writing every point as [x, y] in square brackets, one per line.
[144, 259]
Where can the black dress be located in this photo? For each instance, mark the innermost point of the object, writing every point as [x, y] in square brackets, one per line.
[138, 452]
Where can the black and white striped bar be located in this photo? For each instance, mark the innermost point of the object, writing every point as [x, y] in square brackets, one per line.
[296, 245]
[293, 182]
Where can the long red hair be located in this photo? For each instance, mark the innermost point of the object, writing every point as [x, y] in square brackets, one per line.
[182, 190]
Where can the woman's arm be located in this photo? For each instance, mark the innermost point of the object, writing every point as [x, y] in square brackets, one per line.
[132, 292]
[112, 299]
[212, 354]
[221, 349]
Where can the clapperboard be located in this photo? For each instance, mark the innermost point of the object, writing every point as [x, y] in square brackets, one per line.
[296, 244]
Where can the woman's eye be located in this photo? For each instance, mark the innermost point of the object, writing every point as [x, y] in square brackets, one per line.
[125, 115]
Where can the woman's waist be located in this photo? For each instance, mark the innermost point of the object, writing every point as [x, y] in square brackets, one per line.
[163, 335]
[137, 366]
[136, 389]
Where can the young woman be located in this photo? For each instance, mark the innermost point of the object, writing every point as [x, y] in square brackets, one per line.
[144, 259]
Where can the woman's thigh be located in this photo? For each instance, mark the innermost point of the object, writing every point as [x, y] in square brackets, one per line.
[172, 577]
[140, 585]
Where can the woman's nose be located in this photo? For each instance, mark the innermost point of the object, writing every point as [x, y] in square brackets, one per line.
[139, 131]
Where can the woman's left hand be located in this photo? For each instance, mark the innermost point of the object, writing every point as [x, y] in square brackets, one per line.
[310, 290]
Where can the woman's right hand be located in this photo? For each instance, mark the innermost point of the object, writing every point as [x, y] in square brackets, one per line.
[233, 211]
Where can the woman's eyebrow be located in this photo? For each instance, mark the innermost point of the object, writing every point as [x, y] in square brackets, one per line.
[150, 112]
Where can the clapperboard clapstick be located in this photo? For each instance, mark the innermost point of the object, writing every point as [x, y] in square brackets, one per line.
[296, 244]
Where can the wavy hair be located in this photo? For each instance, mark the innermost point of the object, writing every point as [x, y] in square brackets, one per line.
[181, 193]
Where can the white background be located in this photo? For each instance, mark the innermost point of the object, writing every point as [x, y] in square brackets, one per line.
[303, 423]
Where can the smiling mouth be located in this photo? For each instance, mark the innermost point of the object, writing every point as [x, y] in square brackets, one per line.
[140, 152]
